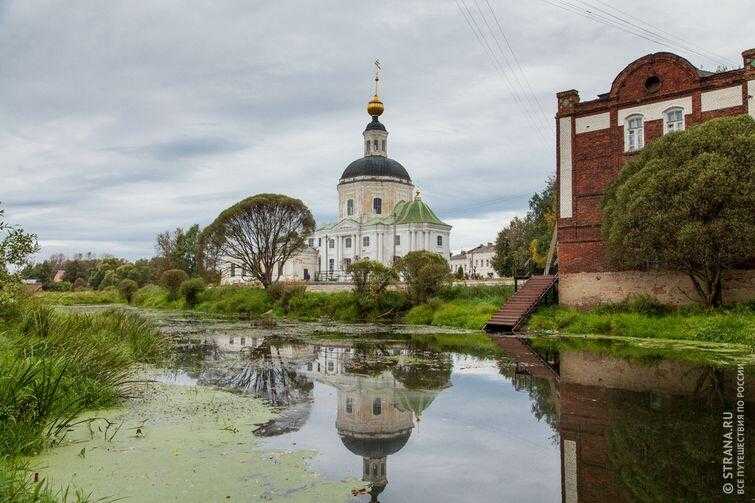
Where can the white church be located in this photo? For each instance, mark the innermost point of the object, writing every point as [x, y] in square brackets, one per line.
[380, 216]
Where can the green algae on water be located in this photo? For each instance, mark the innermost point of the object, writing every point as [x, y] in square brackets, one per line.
[187, 444]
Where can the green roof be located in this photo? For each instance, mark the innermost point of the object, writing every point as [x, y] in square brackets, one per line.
[415, 212]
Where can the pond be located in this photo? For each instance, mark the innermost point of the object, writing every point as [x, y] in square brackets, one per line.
[316, 412]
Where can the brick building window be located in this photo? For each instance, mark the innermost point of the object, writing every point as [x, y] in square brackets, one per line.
[634, 138]
[673, 120]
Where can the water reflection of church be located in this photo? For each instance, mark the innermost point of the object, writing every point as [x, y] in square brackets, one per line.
[376, 411]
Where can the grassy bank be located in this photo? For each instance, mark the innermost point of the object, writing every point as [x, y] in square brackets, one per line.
[644, 319]
[53, 366]
[458, 306]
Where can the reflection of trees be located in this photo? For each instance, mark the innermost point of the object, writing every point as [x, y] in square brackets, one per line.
[265, 374]
[665, 449]
[542, 392]
[424, 370]
[370, 359]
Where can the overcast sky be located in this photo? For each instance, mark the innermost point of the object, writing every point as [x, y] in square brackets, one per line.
[119, 120]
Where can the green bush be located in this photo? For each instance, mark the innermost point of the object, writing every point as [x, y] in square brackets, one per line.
[80, 284]
[171, 280]
[425, 274]
[60, 286]
[282, 293]
[190, 291]
[235, 300]
[108, 279]
[127, 288]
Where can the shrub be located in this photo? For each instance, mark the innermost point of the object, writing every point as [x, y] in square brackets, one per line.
[152, 296]
[127, 288]
[282, 293]
[425, 274]
[109, 279]
[171, 280]
[190, 290]
[61, 286]
[80, 284]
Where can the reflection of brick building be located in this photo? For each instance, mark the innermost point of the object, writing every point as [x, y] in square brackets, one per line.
[654, 95]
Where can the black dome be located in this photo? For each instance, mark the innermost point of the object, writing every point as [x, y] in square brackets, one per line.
[375, 165]
[375, 124]
[375, 447]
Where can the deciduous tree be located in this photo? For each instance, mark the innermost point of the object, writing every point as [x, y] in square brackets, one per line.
[687, 203]
[262, 232]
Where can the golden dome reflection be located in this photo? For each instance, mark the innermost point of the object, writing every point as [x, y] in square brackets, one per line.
[375, 106]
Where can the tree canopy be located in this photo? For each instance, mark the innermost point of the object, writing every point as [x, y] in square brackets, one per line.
[687, 203]
[523, 244]
[261, 233]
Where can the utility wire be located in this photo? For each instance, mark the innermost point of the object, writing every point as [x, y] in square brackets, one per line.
[621, 25]
[480, 35]
[710, 55]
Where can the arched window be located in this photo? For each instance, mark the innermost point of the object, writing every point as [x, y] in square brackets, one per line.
[673, 120]
[366, 241]
[349, 405]
[377, 407]
[350, 207]
[634, 137]
[377, 206]
[347, 242]
[374, 144]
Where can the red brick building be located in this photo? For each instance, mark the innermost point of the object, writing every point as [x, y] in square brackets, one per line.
[653, 95]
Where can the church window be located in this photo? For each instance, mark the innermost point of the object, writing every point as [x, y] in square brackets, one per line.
[375, 144]
[311, 241]
[383, 145]
[349, 405]
[377, 206]
[331, 264]
[346, 263]
[397, 240]
[673, 120]
[366, 241]
[331, 243]
[347, 242]
[366, 147]
[330, 366]
[350, 207]
[377, 407]
[440, 240]
[634, 133]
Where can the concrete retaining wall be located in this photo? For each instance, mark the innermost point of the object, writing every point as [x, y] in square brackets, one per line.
[586, 289]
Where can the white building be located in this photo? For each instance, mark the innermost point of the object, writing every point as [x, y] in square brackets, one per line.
[476, 263]
[380, 216]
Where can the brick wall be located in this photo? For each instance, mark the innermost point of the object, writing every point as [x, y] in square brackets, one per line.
[597, 144]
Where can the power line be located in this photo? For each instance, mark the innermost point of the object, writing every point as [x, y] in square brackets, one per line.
[480, 35]
[621, 24]
[711, 55]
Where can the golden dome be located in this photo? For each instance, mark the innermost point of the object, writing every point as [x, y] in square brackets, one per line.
[375, 106]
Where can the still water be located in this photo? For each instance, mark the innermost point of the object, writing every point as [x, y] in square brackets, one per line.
[394, 417]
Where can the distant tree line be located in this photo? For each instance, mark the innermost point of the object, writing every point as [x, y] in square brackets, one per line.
[521, 247]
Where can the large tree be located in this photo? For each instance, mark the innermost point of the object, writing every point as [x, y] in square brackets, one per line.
[178, 249]
[261, 233]
[687, 203]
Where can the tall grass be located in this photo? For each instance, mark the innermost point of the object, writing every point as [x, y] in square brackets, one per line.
[82, 297]
[53, 366]
[733, 324]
